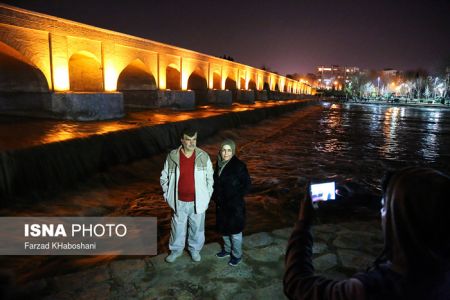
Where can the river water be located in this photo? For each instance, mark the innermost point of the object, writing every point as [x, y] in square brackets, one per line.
[349, 142]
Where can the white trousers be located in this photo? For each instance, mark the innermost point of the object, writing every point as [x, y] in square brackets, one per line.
[186, 221]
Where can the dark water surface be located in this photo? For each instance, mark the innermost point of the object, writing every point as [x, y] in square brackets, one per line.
[345, 141]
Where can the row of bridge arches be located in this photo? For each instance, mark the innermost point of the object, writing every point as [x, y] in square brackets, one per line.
[86, 75]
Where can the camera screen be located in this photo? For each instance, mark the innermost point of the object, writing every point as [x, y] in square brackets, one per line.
[323, 191]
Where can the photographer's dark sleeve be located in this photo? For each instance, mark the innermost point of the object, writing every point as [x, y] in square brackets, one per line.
[299, 280]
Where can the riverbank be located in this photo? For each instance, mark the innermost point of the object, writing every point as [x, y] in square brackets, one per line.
[412, 103]
[339, 251]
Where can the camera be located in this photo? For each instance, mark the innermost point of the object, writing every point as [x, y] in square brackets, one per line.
[323, 191]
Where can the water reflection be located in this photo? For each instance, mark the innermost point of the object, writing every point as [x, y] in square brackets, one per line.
[391, 119]
[16, 132]
[394, 133]
[333, 124]
[430, 142]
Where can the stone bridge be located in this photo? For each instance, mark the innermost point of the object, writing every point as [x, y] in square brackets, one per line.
[59, 68]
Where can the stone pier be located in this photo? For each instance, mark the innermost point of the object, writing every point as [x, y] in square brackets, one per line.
[244, 96]
[221, 97]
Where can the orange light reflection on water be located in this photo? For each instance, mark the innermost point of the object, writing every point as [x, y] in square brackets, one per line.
[38, 132]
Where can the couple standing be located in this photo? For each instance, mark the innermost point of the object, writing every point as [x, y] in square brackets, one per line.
[189, 182]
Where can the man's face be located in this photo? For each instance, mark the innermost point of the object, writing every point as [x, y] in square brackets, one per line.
[189, 142]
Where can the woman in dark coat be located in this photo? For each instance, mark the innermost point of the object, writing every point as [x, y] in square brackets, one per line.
[231, 183]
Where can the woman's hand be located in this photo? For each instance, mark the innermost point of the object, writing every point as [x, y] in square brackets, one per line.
[306, 213]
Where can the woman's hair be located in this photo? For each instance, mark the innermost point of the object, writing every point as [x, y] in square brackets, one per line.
[417, 225]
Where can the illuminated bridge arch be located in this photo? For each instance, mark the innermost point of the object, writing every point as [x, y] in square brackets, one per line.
[252, 85]
[173, 77]
[277, 88]
[18, 74]
[242, 82]
[85, 72]
[230, 82]
[197, 82]
[136, 76]
[217, 79]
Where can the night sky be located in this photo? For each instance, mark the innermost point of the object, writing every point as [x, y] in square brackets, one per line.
[286, 36]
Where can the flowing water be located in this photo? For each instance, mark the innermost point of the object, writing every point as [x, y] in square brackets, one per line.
[345, 141]
[29, 132]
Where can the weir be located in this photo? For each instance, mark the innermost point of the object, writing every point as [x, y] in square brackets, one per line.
[53, 166]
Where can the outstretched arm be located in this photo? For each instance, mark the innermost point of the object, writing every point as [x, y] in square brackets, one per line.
[299, 280]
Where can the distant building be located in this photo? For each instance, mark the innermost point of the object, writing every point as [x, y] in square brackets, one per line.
[334, 76]
[389, 72]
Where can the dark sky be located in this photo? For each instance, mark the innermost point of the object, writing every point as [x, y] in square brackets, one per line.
[287, 36]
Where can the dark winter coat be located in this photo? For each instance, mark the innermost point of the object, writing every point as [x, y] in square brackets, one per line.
[229, 191]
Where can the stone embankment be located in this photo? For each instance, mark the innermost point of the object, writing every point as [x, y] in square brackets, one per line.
[339, 251]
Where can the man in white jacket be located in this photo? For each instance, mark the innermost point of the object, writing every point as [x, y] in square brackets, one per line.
[187, 184]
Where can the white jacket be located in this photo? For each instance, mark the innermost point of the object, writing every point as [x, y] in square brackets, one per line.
[203, 176]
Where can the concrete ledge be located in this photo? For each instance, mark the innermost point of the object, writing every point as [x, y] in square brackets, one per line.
[261, 95]
[220, 97]
[182, 99]
[87, 106]
[244, 96]
[140, 99]
[25, 102]
[159, 98]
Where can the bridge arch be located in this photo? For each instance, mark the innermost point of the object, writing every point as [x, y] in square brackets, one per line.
[173, 77]
[197, 82]
[242, 83]
[230, 82]
[136, 76]
[85, 72]
[266, 83]
[18, 74]
[252, 85]
[217, 79]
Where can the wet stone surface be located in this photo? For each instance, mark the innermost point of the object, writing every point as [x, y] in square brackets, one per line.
[258, 276]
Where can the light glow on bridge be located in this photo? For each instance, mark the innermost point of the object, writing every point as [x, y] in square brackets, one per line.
[110, 79]
[61, 78]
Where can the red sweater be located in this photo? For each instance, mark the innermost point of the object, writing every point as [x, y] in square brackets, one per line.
[186, 183]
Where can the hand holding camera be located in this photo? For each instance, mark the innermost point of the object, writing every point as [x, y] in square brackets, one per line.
[316, 192]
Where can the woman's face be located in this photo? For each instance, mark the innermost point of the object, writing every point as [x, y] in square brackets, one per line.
[226, 153]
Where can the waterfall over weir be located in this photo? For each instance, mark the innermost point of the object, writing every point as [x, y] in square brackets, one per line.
[51, 167]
